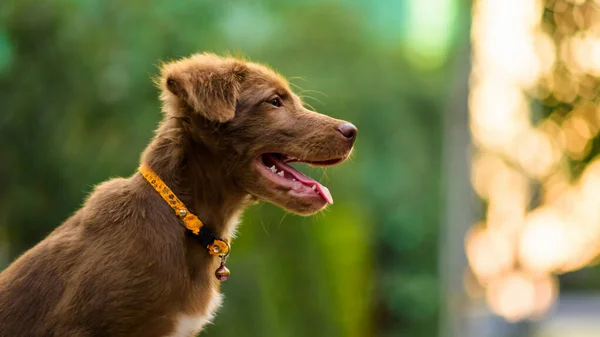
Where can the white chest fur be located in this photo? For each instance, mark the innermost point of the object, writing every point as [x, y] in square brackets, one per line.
[190, 325]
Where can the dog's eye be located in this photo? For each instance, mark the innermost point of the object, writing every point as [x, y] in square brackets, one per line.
[276, 102]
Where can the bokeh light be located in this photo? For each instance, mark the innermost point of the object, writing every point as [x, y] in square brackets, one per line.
[518, 295]
[534, 119]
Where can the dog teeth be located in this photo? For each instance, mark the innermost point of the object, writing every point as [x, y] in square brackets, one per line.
[273, 169]
[293, 179]
[314, 187]
[280, 173]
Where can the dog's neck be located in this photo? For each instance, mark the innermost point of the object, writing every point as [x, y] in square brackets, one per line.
[197, 176]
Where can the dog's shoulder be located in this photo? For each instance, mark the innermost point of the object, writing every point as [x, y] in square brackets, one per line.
[117, 194]
[124, 202]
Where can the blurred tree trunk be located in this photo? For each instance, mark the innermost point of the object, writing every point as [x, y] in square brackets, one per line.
[459, 211]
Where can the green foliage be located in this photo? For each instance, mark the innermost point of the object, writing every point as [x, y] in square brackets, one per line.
[78, 106]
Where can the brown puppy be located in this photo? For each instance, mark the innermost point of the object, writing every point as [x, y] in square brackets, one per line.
[124, 264]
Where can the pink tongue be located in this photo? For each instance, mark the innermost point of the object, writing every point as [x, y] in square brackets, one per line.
[322, 190]
[325, 194]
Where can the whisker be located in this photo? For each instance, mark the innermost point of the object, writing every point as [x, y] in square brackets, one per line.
[324, 175]
[262, 223]
[296, 86]
[309, 105]
[298, 78]
[282, 218]
[306, 96]
[315, 91]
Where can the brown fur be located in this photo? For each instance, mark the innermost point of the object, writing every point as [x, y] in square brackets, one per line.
[123, 265]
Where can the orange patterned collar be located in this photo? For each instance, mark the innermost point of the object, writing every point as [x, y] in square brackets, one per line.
[214, 245]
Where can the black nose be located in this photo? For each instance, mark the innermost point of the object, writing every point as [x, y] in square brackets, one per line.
[349, 131]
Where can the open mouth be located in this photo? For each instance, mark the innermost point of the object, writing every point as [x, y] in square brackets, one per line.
[276, 167]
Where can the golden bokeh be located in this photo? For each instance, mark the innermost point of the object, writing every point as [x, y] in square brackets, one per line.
[533, 118]
[518, 295]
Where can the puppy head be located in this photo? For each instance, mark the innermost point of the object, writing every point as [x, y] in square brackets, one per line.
[248, 116]
[207, 84]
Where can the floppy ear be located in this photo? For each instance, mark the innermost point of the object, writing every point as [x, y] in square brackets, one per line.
[208, 84]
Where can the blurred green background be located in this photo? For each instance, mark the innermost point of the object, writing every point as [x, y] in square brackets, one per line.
[78, 107]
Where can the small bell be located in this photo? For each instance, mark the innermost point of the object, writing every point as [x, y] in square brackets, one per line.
[222, 273]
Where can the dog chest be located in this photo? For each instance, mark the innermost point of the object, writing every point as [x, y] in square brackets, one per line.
[189, 325]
